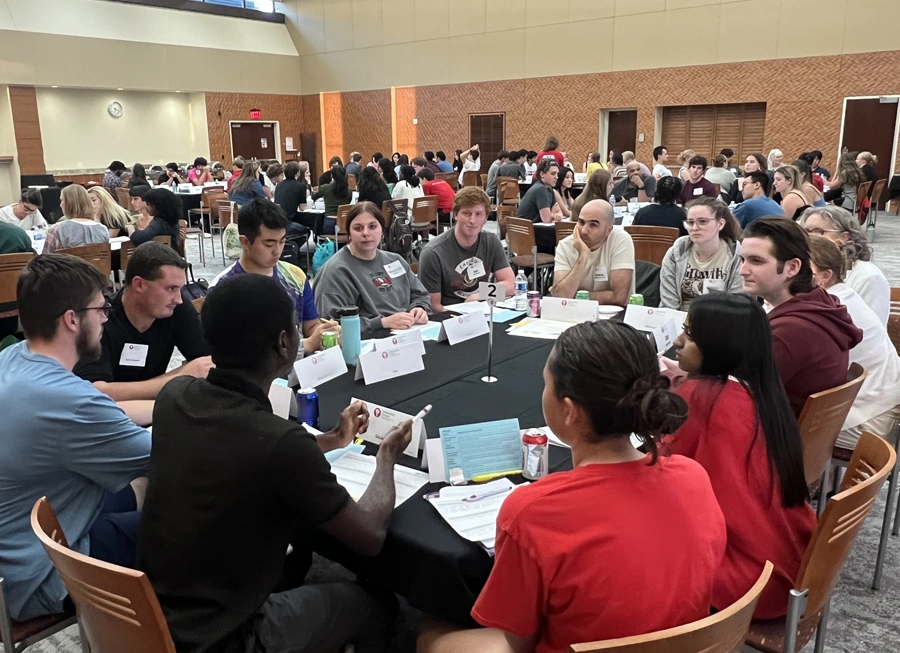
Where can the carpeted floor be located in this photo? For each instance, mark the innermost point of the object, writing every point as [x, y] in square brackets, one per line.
[862, 620]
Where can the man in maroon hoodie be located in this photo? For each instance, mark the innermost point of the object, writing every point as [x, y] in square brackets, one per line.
[812, 333]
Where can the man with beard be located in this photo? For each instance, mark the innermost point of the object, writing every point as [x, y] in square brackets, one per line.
[454, 263]
[147, 320]
[62, 438]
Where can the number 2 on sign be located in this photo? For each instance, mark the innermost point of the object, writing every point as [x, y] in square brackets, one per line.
[491, 293]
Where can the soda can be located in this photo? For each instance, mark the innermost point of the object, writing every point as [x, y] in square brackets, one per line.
[582, 294]
[535, 454]
[329, 339]
[636, 299]
[534, 303]
[308, 407]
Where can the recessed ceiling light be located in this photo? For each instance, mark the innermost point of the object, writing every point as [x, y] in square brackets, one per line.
[178, 91]
[120, 89]
[54, 87]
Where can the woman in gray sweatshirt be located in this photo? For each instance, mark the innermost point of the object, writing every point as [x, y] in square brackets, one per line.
[381, 284]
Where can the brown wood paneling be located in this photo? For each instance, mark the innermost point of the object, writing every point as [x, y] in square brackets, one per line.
[707, 129]
[27, 126]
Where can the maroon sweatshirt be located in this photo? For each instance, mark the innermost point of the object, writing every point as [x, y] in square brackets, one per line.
[812, 335]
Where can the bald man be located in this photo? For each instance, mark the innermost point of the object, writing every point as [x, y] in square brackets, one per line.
[635, 184]
[597, 257]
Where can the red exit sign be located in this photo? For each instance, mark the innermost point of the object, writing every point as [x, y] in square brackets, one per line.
[255, 114]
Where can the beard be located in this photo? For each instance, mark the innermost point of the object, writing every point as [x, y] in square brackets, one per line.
[87, 348]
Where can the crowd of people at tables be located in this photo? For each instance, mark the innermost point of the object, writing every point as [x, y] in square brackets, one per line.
[719, 477]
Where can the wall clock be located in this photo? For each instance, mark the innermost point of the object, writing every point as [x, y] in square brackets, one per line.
[115, 109]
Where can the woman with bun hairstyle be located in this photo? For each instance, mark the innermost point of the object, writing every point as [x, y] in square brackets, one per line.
[741, 428]
[624, 544]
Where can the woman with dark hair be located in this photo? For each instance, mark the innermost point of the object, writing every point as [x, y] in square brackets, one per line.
[741, 428]
[844, 182]
[563, 193]
[247, 186]
[387, 173]
[664, 212]
[404, 161]
[325, 177]
[812, 194]
[578, 555]
[707, 259]
[395, 158]
[599, 186]
[138, 176]
[167, 210]
[371, 187]
[551, 151]
[335, 194]
[113, 177]
[378, 156]
[457, 161]
[409, 187]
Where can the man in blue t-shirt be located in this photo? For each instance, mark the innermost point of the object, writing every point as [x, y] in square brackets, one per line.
[62, 438]
[756, 202]
[263, 227]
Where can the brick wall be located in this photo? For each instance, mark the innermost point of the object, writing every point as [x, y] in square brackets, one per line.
[221, 108]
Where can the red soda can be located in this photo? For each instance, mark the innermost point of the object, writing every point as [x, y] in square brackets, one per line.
[535, 454]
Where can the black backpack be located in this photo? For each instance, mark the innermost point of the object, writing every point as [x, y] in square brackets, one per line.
[400, 236]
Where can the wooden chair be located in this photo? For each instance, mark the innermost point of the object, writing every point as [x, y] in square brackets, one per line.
[165, 240]
[564, 228]
[388, 213]
[723, 632]
[123, 198]
[16, 636]
[862, 193]
[351, 182]
[877, 192]
[828, 549]
[470, 178]
[482, 179]
[209, 196]
[508, 191]
[198, 303]
[521, 240]
[504, 212]
[117, 608]
[451, 178]
[893, 325]
[11, 266]
[97, 255]
[424, 215]
[652, 243]
[342, 236]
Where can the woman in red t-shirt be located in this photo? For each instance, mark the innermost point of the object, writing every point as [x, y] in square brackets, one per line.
[625, 543]
[741, 428]
[551, 151]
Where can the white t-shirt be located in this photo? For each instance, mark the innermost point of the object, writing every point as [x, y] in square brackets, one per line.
[530, 169]
[469, 165]
[659, 170]
[30, 221]
[403, 190]
[881, 389]
[617, 253]
[868, 281]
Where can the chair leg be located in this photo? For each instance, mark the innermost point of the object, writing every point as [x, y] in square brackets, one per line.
[822, 630]
[796, 607]
[885, 529]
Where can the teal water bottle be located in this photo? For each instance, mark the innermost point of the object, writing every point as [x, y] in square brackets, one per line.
[350, 333]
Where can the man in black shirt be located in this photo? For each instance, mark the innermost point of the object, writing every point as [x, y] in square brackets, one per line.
[147, 321]
[231, 485]
[291, 194]
[515, 167]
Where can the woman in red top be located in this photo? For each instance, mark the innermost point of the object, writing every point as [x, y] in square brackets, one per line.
[624, 544]
[551, 151]
[741, 428]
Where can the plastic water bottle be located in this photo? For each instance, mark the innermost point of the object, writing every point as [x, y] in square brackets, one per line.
[521, 291]
[350, 334]
[612, 199]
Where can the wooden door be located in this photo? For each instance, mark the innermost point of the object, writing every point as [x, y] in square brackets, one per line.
[622, 130]
[869, 126]
[488, 131]
[253, 140]
[310, 153]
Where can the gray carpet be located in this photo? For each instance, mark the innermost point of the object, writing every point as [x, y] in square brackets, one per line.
[862, 620]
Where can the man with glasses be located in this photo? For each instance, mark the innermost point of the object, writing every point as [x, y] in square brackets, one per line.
[147, 321]
[26, 213]
[62, 438]
[757, 203]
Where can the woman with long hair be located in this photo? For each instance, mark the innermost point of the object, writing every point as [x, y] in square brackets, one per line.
[371, 187]
[409, 187]
[78, 226]
[707, 260]
[863, 276]
[335, 194]
[387, 173]
[551, 150]
[166, 209]
[787, 183]
[247, 186]
[683, 159]
[563, 193]
[404, 161]
[741, 428]
[813, 196]
[599, 186]
[775, 159]
[573, 547]
[844, 182]
[457, 161]
[108, 212]
[138, 176]
[719, 174]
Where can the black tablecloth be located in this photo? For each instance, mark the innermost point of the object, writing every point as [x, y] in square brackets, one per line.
[189, 201]
[423, 559]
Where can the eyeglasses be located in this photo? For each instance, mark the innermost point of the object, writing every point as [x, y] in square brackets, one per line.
[822, 232]
[105, 309]
[701, 222]
[28, 209]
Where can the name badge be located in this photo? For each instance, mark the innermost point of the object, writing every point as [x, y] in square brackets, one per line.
[698, 191]
[476, 268]
[395, 269]
[601, 274]
[134, 355]
[713, 285]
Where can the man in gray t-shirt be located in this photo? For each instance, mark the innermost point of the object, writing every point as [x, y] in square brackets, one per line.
[454, 263]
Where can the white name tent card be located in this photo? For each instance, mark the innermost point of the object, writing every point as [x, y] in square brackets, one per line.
[412, 338]
[382, 420]
[664, 323]
[313, 371]
[464, 327]
[280, 396]
[380, 365]
[569, 310]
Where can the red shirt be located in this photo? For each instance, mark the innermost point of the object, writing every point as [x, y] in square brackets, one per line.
[605, 551]
[819, 182]
[444, 193]
[721, 434]
[553, 154]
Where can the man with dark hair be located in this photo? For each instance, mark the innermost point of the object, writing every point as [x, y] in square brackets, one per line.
[514, 167]
[491, 186]
[430, 163]
[660, 158]
[262, 228]
[291, 193]
[26, 213]
[199, 174]
[232, 485]
[728, 153]
[530, 163]
[171, 176]
[352, 168]
[812, 333]
[757, 203]
[815, 164]
[63, 438]
[696, 184]
[442, 164]
[440, 189]
[148, 319]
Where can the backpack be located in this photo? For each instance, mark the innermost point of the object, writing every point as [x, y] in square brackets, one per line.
[400, 236]
[194, 289]
[324, 252]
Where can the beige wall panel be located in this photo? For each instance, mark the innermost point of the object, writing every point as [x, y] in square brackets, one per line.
[433, 70]
[541, 12]
[16, 59]
[398, 21]
[467, 17]
[756, 17]
[400, 60]
[591, 9]
[468, 63]
[644, 29]
[367, 23]
[808, 30]
[504, 55]
[432, 19]
[504, 15]
[542, 48]
[308, 25]
[9, 172]
[695, 31]
[861, 34]
[631, 7]
[594, 41]
[338, 25]
[685, 4]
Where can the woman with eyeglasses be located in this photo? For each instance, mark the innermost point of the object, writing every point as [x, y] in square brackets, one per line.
[863, 276]
[741, 429]
[26, 213]
[707, 259]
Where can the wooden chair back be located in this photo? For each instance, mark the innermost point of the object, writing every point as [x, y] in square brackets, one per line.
[893, 325]
[451, 178]
[482, 181]
[388, 213]
[873, 459]
[165, 240]
[564, 228]
[182, 236]
[98, 255]
[504, 213]
[226, 212]
[723, 632]
[425, 209]
[351, 182]
[11, 266]
[877, 192]
[125, 254]
[507, 190]
[198, 303]
[862, 192]
[520, 236]
[123, 198]
[341, 223]
[822, 419]
[651, 243]
[117, 608]
[470, 178]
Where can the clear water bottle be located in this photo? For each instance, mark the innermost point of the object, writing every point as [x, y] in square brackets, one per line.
[612, 199]
[521, 291]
